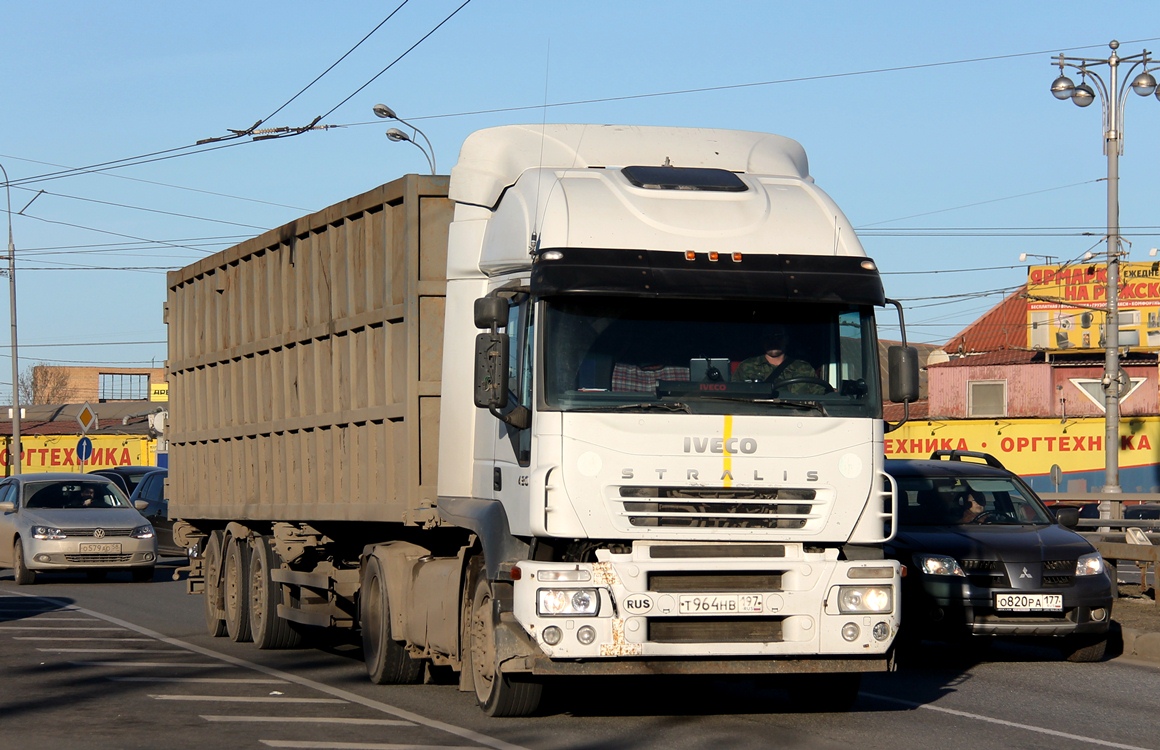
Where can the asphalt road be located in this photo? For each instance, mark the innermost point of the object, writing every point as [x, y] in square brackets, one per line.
[123, 665]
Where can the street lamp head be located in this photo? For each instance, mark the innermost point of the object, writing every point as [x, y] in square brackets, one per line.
[385, 112]
[1062, 88]
[1083, 95]
[1145, 84]
[397, 135]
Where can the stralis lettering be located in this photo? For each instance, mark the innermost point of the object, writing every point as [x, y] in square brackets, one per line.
[694, 475]
[730, 446]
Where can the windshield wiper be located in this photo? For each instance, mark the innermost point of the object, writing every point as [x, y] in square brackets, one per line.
[817, 406]
[642, 406]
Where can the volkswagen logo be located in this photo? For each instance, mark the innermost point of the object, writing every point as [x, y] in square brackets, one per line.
[99, 533]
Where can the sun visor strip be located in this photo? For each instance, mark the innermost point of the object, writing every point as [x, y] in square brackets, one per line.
[644, 273]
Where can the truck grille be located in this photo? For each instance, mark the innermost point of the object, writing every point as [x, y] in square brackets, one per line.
[719, 508]
[714, 629]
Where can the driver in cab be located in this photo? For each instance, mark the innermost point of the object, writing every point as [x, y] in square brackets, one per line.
[776, 366]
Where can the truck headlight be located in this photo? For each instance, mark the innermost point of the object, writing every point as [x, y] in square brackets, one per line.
[567, 602]
[142, 532]
[48, 532]
[1090, 564]
[865, 599]
[938, 565]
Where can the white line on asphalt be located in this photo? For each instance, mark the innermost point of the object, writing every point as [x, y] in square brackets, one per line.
[308, 720]
[149, 664]
[215, 680]
[42, 618]
[109, 650]
[358, 745]
[1004, 722]
[55, 627]
[73, 638]
[245, 699]
[370, 703]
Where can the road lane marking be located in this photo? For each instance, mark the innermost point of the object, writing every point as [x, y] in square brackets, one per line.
[149, 664]
[306, 745]
[108, 650]
[245, 699]
[370, 703]
[308, 720]
[1004, 722]
[55, 627]
[74, 638]
[214, 680]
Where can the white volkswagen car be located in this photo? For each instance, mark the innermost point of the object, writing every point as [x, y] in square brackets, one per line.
[55, 522]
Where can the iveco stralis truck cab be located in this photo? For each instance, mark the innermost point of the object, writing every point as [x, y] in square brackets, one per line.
[643, 499]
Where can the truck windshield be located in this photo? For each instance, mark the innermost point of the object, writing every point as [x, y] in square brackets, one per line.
[616, 354]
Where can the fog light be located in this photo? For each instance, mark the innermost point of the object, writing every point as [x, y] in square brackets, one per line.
[586, 635]
[147, 557]
[881, 631]
[42, 558]
[1099, 614]
[850, 631]
[552, 635]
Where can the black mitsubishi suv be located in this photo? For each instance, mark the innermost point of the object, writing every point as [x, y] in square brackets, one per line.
[986, 558]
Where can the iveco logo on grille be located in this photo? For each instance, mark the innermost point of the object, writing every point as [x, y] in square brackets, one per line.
[99, 533]
[720, 445]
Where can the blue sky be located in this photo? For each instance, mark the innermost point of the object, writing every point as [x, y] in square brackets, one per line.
[931, 124]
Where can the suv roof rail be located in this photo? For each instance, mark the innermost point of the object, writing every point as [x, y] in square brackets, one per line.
[958, 456]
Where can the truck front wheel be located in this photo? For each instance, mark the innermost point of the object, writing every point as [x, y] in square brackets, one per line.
[387, 660]
[498, 694]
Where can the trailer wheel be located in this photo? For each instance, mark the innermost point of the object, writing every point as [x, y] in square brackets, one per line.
[498, 694]
[235, 590]
[215, 616]
[269, 630]
[387, 660]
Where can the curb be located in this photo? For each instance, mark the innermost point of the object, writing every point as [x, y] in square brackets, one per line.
[1141, 645]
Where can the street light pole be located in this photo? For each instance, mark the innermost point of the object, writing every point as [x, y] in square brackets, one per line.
[14, 453]
[1113, 96]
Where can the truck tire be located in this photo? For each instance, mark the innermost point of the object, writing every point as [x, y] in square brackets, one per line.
[268, 629]
[215, 616]
[235, 590]
[387, 660]
[498, 694]
[20, 571]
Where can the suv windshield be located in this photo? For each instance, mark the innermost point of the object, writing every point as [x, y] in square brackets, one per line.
[604, 353]
[955, 501]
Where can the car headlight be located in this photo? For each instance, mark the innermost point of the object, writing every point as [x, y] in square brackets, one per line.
[1090, 564]
[567, 602]
[48, 532]
[142, 532]
[938, 565]
[865, 599]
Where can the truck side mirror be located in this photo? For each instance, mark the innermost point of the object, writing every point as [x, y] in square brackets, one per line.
[903, 372]
[491, 373]
[491, 312]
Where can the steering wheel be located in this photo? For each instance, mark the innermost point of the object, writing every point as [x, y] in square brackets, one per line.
[807, 380]
[986, 516]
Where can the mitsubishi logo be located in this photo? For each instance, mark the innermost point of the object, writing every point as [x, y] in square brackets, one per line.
[100, 534]
[1024, 574]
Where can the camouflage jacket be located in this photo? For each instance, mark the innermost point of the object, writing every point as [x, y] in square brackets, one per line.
[757, 369]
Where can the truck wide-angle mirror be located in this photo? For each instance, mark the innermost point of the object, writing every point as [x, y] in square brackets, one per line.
[491, 363]
[903, 371]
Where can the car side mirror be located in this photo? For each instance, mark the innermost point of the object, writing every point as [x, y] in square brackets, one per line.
[1067, 517]
[7, 507]
[140, 504]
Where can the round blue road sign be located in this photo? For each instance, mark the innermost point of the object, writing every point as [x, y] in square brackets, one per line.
[84, 449]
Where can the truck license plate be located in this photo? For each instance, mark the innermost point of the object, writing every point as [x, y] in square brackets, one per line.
[1029, 602]
[100, 548]
[719, 604]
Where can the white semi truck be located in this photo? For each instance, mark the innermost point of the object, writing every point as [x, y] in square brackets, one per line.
[503, 422]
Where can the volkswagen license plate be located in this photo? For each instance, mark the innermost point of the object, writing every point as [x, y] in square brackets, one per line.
[719, 604]
[1029, 602]
[100, 548]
